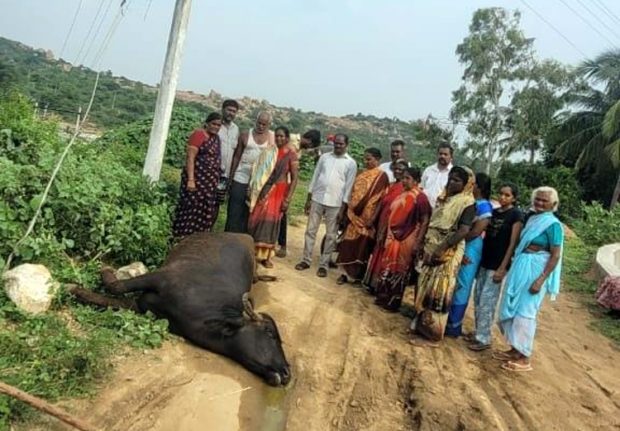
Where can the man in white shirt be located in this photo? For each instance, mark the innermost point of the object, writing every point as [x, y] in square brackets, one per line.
[229, 135]
[397, 151]
[435, 177]
[328, 195]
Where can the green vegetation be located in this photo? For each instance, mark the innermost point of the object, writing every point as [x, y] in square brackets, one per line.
[100, 208]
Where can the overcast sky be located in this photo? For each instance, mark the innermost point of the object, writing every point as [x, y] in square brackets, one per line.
[388, 57]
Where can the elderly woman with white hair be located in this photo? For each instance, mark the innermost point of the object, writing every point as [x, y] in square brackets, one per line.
[535, 271]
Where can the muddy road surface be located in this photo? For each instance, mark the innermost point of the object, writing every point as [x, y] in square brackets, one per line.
[355, 370]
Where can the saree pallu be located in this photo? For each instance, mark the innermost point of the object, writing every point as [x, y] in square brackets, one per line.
[358, 239]
[434, 295]
[393, 259]
[373, 272]
[264, 222]
[464, 283]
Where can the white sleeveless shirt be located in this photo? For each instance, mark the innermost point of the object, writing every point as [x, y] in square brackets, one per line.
[250, 154]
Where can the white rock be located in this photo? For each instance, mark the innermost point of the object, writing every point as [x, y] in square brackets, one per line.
[131, 271]
[31, 287]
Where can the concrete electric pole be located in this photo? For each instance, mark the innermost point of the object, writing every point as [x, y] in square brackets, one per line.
[167, 90]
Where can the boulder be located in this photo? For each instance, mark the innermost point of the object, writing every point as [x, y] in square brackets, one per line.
[130, 271]
[31, 287]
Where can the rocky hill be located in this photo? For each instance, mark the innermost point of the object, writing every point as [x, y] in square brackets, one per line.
[60, 87]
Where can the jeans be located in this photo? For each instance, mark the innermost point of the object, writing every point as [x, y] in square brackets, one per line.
[317, 213]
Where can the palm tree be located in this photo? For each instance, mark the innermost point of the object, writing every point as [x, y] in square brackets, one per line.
[594, 132]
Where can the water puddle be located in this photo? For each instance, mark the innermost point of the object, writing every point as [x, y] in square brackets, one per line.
[275, 407]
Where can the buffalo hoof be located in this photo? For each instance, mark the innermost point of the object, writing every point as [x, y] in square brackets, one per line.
[110, 282]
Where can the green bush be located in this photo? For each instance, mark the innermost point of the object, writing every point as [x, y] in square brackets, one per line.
[599, 226]
[100, 206]
[527, 177]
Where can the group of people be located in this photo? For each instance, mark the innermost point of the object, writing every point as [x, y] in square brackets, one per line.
[391, 226]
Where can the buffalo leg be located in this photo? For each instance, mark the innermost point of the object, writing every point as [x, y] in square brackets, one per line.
[88, 297]
[150, 281]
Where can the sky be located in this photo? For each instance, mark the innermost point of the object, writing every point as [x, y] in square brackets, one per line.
[393, 58]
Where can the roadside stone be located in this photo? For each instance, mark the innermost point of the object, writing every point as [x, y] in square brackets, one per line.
[130, 271]
[31, 287]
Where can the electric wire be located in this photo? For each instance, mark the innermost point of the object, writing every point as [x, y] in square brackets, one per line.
[75, 15]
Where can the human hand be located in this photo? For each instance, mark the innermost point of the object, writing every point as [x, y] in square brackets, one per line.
[284, 206]
[307, 207]
[499, 275]
[466, 260]
[191, 185]
[536, 286]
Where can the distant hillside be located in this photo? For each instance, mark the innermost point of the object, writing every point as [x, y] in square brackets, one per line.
[63, 87]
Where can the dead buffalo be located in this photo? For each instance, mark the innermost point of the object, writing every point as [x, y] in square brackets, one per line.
[202, 290]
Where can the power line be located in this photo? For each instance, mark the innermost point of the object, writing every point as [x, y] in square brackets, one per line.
[606, 10]
[588, 23]
[92, 42]
[148, 8]
[64, 44]
[554, 28]
[108, 37]
[90, 29]
[603, 23]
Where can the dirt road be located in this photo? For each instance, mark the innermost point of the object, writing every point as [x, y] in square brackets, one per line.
[355, 370]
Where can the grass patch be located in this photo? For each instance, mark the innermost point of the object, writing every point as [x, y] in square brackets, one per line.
[577, 265]
[64, 353]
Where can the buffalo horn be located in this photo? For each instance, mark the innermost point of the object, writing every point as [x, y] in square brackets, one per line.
[248, 309]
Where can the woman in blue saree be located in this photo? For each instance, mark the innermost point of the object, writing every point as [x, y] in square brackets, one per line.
[535, 271]
[472, 257]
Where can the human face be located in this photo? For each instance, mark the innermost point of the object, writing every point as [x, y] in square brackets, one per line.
[396, 152]
[444, 158]
[213, 127]
[455, 185]
[506, 199]
[542, 202]
[281, 139]
[398, 170]
[370, 161]
[228, 114]
[408, 181]
[340, 146]
[262, 124]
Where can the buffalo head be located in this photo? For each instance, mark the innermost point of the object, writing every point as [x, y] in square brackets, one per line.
[260, 347]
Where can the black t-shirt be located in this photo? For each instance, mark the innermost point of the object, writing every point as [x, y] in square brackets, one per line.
[497, 237]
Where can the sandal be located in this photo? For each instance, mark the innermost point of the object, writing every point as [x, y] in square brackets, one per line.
[342, 279]
[301, 266]
[267, 264]
[477, 346]
[321, 272]
[516, 367]
[281, 252]
[470, 338]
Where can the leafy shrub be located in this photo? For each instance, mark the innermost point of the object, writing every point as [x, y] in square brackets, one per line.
[599, 226]
[99, 206]
[132, 139]
[527, 177]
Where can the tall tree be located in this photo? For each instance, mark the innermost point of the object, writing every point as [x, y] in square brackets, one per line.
[496, 55]
[533, 107]
[593, 131]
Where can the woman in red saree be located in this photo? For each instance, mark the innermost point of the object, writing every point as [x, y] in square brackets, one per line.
[394, 191]
[273, 199]
[405, 224]
[362, 212]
